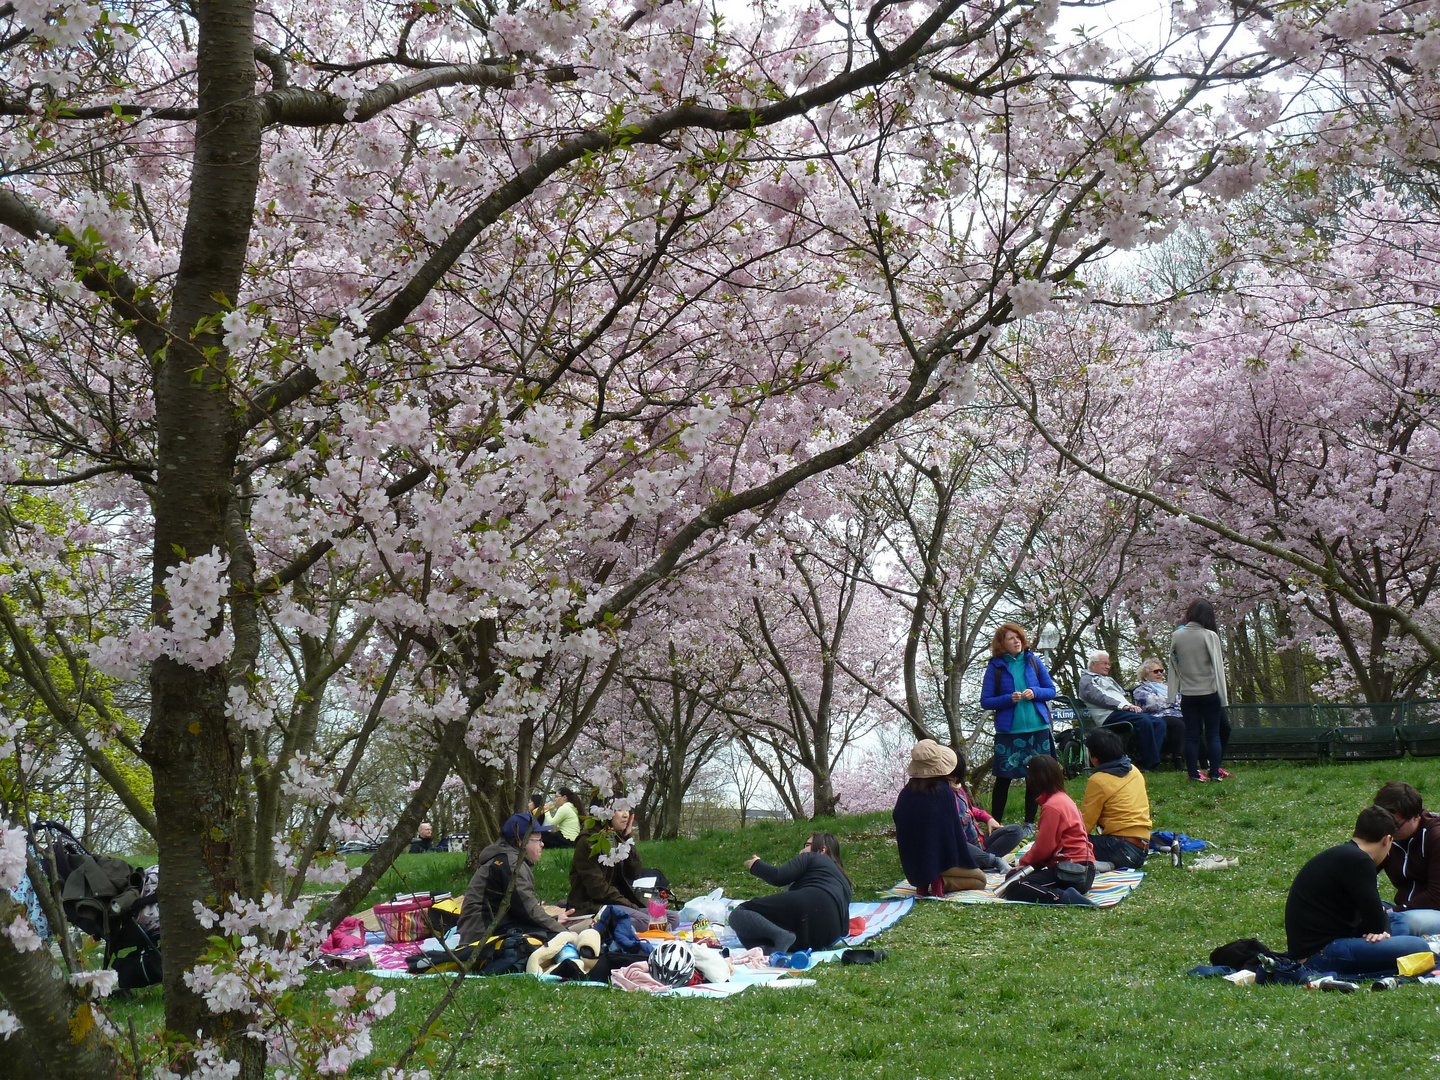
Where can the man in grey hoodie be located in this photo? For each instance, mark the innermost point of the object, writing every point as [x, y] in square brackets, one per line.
[1109, 704]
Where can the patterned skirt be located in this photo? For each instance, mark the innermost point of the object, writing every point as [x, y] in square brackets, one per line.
[1013, 751]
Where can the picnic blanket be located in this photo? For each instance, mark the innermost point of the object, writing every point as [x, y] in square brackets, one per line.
[877, 917]
[1108, 890]
[866, 920]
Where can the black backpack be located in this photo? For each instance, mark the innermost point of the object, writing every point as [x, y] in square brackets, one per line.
[102, 896]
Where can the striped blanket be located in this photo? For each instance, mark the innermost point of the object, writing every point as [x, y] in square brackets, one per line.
[1109, 889]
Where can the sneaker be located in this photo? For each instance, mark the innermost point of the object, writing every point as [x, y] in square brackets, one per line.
[1028, 832]
[1213, 862]
[1226, 775]
[1202, 778]
[862, 956]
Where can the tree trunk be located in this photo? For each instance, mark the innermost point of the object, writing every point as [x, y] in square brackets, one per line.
[188, 744]
[59, 1039]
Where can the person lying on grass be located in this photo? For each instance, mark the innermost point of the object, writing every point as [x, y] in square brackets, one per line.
[929, 835]
[1334, 920]
[1413, 864]
[1061, 859]
[1116, 801]
[486, 894]
[814, 910]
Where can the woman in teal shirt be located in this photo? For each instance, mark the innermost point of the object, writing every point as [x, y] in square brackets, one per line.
[1016, 688]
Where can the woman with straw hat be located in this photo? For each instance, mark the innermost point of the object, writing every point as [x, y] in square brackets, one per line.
[928, 829]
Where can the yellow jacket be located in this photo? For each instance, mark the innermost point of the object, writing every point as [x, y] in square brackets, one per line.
[1119, 804]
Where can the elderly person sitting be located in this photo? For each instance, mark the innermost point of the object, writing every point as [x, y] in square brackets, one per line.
[1154, 699]
[1108, 704]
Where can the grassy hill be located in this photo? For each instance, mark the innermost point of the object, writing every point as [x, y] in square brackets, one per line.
[979, 992]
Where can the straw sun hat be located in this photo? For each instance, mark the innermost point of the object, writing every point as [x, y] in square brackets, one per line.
[929, 758]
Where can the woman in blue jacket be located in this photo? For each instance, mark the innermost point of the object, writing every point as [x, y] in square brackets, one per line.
[1016, 687]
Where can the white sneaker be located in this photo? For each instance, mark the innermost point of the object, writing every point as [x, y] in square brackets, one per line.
[1212, 862]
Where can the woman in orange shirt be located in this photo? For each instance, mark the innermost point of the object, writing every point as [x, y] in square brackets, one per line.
[1061, 856]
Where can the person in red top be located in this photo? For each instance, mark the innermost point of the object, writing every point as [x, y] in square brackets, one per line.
[1059, 838]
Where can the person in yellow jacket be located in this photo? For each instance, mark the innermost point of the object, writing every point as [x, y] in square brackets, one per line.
[1116, 801]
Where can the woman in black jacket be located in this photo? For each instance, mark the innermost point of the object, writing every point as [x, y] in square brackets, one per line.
[814, 910]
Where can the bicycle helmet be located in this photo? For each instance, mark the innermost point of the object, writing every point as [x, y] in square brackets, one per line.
[672, 963]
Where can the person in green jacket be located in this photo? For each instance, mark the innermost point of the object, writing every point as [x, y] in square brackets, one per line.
[565, 818]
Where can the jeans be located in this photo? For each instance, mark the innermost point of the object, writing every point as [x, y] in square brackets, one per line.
[1003, 840]
[985, 861]
[1224, 740]
[1356, 956]
[1118, 850]
[1420, 922]
[1149, 734]
[1202, 712]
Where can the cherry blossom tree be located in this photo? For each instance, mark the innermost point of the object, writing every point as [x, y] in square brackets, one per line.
[405, 355]
[1289, 435]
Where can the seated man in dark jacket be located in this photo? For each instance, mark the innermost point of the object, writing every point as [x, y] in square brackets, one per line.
[1333, 915]
[499, 864]
[1413, 864]
[604, 870]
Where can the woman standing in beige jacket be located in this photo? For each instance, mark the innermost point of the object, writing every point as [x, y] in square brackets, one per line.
[1197, 673]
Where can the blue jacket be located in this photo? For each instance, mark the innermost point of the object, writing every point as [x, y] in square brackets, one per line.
[998, 686]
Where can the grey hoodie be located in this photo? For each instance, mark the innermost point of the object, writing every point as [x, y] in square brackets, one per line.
[1196, 666]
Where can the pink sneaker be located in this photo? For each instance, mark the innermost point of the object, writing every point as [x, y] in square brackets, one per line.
[1224, 775]
[1202, 778]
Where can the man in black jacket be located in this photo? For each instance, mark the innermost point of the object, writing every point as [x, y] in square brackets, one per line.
[486, 895]
[1333, 915]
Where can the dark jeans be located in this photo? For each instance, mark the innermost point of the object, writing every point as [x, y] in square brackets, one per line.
[1149, 734]
[812, 915]
[985, 861]
[1118, 850]
[1356, 956]
[1224, 740]
[1003, 840]
[1174, 746]
[555, 840]
[1203, 713]
[1040, 886]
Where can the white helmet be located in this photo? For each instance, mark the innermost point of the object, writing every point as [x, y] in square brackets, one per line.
[672, 963]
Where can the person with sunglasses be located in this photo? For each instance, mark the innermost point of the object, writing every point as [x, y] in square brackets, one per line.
[1153, 697]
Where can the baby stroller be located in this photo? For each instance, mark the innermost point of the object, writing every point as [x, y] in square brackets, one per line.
[106, 898]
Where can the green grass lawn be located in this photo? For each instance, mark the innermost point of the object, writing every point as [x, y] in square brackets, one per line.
[976, 991]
